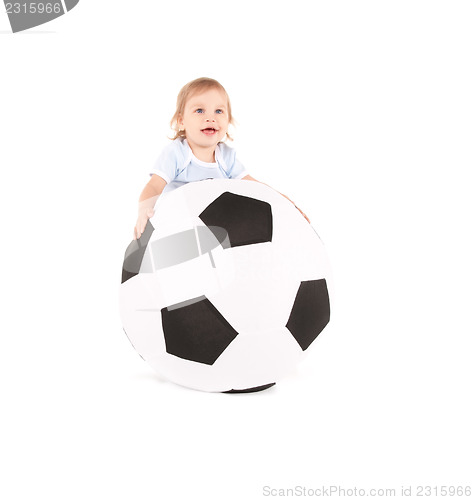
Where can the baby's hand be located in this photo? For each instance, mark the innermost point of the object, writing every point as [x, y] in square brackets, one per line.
[305, 216]
[143, 216]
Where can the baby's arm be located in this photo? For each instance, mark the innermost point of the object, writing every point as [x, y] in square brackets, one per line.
[249, 178]
[149, 197]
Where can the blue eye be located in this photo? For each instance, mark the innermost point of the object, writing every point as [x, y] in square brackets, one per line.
[220, 111]
[199, 110]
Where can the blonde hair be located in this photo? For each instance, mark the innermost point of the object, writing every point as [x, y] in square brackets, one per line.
[196, 87]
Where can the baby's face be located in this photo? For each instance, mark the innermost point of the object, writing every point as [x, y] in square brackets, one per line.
[205, 118]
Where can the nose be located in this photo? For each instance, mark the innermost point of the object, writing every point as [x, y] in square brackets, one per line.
[210, 119]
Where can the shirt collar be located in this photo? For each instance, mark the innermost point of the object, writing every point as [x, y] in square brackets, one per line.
[218, 155]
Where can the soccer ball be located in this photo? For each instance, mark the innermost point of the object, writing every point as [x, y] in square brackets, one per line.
[226, 288]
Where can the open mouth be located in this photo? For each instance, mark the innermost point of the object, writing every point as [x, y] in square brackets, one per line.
[209, 131]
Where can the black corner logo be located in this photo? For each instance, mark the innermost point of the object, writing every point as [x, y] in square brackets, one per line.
[26, 14]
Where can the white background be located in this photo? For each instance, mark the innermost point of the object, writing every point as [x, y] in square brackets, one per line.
[361, 112]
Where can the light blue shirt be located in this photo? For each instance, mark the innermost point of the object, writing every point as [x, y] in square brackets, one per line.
[177, 165]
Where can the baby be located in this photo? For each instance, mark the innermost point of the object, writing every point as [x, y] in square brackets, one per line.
[203, 115]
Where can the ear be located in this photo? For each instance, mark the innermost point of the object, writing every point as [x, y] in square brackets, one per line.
[180, 122]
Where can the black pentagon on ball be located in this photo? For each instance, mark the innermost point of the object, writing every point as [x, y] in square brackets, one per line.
[310, 312]
[196, 331]
[246, 220]
[250, 389]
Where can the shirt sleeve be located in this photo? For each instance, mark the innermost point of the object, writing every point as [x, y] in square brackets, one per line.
[235, 169]
[166, 164]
